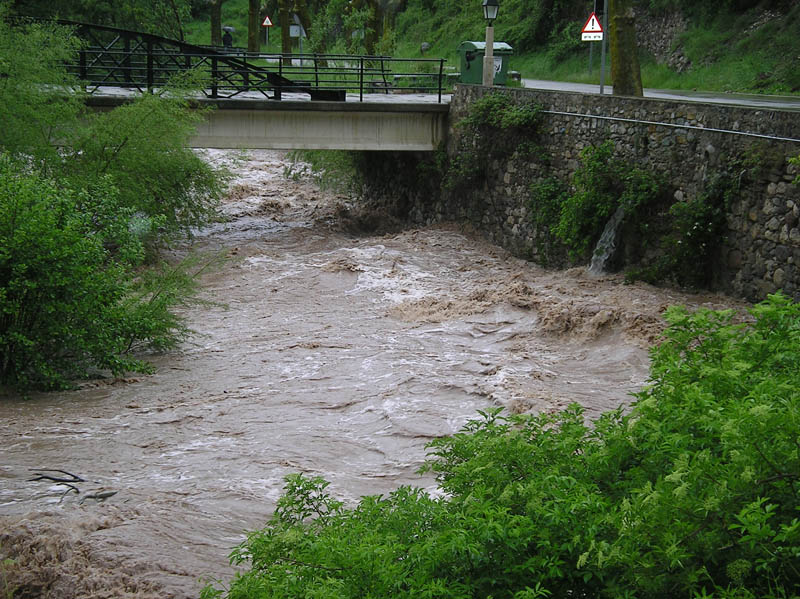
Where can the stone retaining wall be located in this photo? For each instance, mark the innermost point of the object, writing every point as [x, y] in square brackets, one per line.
[685, 142]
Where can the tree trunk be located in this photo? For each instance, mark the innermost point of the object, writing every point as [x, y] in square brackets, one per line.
[626, 74]
[286, 40]
[254, 27]
[216, 22]
[304, 15]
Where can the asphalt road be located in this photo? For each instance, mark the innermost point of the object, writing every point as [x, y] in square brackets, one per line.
[749, 100]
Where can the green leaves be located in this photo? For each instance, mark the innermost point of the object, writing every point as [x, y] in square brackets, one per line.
[83, 198]
[601, 184]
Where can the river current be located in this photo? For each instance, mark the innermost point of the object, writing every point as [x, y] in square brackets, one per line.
[327, 353]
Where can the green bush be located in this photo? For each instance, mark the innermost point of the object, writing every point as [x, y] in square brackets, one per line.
[35, 111]
[60, 284]
[547, 197]
[693, 493]
[495, 128]
[601, 184]
[72, 300]
[82, 196]
[141, 147]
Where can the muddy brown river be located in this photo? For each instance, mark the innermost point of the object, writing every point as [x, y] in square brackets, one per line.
[335, 354]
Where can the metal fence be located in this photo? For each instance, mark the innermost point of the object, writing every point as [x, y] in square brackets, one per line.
[117, 58]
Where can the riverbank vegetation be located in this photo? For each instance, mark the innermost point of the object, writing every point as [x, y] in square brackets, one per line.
[86, 201]
[693, 493]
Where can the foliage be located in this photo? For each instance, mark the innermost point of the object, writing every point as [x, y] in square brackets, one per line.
[495, 128]
[695, 231]
[34, 110]
[82, 197]
[335, 170]
[547, 197]
[141, 147]
[693, 493]
[70, 300]
[601, 184]
[796, 162]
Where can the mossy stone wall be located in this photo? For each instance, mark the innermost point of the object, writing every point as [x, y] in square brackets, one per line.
[686, 142]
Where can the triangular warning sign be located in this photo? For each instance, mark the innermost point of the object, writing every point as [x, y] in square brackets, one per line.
[592, 25]
[593, 30]
[267, 22]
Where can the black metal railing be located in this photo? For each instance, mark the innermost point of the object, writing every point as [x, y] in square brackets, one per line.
[142, 62]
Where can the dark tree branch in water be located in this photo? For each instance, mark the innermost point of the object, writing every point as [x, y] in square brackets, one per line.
[73, 478]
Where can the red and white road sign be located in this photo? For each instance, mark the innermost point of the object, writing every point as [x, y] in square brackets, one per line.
[267, 22]
[593, 30]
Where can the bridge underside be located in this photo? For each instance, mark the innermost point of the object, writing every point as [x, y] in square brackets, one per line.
[288, 125]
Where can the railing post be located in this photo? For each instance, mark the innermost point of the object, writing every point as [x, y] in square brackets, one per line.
[276, 95]
[126, 62]
[150, 61]
[214, 75]
[441, 72]
[82, 65]
[246, 73]
[316, 71]
[361, 79]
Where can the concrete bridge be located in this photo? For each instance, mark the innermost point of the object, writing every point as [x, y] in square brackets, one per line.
[262, 100]
[289, 125]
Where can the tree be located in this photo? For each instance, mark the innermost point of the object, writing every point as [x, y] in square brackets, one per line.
[216, 21]
[284, 22]
[254, 26]
[626, 75]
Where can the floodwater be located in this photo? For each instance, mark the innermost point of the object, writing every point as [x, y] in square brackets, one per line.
[335, 355]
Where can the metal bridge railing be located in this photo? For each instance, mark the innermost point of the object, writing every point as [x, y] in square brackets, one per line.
[145, 66]
[117, 58]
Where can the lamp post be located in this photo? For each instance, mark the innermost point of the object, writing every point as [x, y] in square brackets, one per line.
[490, 8]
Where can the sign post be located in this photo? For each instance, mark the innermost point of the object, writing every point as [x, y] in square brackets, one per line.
[603, 50]
[266, 24]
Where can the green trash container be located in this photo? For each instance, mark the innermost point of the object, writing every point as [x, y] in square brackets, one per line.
[471, 58]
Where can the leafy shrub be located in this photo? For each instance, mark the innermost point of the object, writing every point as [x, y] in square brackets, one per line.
[59, 283]
[80, 196]
[694, 493]
[71, 300]
[34, 110]
[602, 183]
[335, 170]
[141, 147]
[495, 128]
[547, 197]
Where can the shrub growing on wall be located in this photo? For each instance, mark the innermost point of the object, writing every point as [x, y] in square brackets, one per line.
[494, 129]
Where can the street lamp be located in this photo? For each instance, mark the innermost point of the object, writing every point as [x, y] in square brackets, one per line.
[490, 8]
